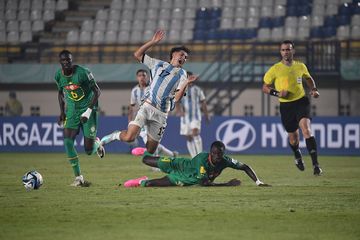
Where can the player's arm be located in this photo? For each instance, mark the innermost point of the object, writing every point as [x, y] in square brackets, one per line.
[180, 93]
[314, 92]
[205, 110]
[139, 53]
[62, 107]
[179, 110]
[251, 173]
[86, 115]
[131, 112]
[208, 183]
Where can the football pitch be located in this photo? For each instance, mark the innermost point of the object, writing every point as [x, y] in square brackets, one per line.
[297, 206]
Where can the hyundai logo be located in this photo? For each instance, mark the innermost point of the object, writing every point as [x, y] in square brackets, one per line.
[237, 135]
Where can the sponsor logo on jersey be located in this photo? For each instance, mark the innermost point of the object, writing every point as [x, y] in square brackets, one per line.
[72, 87]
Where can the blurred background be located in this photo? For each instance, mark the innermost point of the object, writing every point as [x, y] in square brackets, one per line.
[233, 43]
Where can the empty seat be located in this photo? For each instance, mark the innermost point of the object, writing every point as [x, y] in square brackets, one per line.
[72, 37]
[291, 22]
[85, 37]
[49, 4]
[25, 36]
[318, 10]
[2, 26]
[148, 34]
[290, 33]
[174, 36]
[264, 34]
[12, 37]
[100, 25]
[102, 14]
[303, 33]
[317, 21]
[229, 3]
[266, 11]
[277, 34]
[241, 12]
[253, 12]
[304, 21]
[62, 5]
[37, 5]
[13, 5]
[239, 23]
[189, 24]
[23, 15]
[124, 37]
[116, 5]
[279, 11]
[343, 33]
[186, 35]
[98, 37]
[179, 4]
[112, 25]
[25, 26]
[12, 25]
[138, 25]
[110, 37]
[127, 15]
[87, 25]
[252, 22]
[140, 14]
[166, 4]
[204, 4]
[142, 5]
[163, 24]
[177, 13]
[2, 36]
[191, 4]
[267, 3]
[10, 14]
[114, 14]
[136, 36]
[154, 4]
[38, 25]
[280, 2]
[226, 23]
[128, 4]
[176, 24]
[355, 20]
[190, 13]
[125, 25]
[331, 9]
[164, 14]
[150, 26]
[36, 15]
[152, 13]
[24, 5]
[355, 32]
[49, 15]
[228, 12]
[319, 2]
[255, 3]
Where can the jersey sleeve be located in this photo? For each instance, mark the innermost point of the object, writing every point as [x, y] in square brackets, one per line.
[232, 163]
[150, 62]
[201, 95]
[269, 77]
[57, 81]
[88, 78]
[306, 73]
[133, 97]
[183, 79]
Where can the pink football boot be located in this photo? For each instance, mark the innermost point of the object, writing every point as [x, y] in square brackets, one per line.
[135, 182]
[138, 151]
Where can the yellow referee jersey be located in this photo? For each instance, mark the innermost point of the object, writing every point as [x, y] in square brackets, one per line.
[288, 78]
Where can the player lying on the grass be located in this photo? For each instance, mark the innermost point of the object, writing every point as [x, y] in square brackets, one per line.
[201, 170]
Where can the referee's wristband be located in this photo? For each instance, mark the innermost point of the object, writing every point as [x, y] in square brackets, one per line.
[273, 92]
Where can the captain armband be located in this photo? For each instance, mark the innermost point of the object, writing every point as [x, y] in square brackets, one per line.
[273, 92]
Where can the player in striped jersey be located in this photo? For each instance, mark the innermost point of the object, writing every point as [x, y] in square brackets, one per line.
[190, 109]
[137, 96]
[168, 85]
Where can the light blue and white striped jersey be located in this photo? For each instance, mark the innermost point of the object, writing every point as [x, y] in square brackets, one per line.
[165, 81]
[192, 104]
[137, 95]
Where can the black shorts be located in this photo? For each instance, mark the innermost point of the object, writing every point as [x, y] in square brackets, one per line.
[293, 112]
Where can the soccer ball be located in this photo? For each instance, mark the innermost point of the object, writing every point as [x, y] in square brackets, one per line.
[32, 180]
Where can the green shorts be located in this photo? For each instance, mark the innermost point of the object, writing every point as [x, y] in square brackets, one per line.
[176, 176]
[89, 128]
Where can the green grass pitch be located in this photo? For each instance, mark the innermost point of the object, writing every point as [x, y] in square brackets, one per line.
[298, 206]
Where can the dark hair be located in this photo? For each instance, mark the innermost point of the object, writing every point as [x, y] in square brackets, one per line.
[218, 144]
[67, 52]
[141, 70]
[289, 42]
[178, 49]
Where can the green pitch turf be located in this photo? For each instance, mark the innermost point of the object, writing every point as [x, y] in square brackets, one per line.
[298, 206]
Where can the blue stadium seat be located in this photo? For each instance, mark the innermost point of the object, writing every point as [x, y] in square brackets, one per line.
[278, 22]
[213, 24]
[316, 32]
[215, 13]
[265, 22]
[343, 20]
[291, 11]
[202, 13]
[345, 9]
[201, 24]
[199, 35]
[329, 31]
[304, 10]
[330, 21]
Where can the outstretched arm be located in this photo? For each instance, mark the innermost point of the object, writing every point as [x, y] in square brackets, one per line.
[251, 173]
[158, 36]
[233, 182]
[179, 94]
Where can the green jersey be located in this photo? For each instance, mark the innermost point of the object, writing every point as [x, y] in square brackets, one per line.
[76, 88]
[185, 171]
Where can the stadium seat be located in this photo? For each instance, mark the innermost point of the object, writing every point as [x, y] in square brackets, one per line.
[125, 25]
[278, 22]
[226, 23]
[24, 5]
[291, 11]
[331, 9]
[317, 21]
[265, 22]
[318, 10]
[355, 32]
[277, 34]
[343, 20]
[164, 14]
[136, 36]
[12, 5]
[25, 26]
[253, 12]
[127, 15]
[142, 5]
[228, 13]
[23, 15]
[190, 13]
[25, 37]
[123, 37]
[38, 25]
[189, 24]
[264, 34]
[204, 4]
[290, 33]
[239, 23]
[174, 36]
[12, 25]
[241, 12]
[50, 5]
[100, 25]
[303, 33]
[2, 14]
[112, 25]
[37, 5]
[140, 14]
[163, 24]
[252, 22]
[62, 5]
[110, 37]
[116, 5]
[280, 2]
[72, 37]
[98, 37]
[148, 34]
[2, 36]
[343, 33]
[2, 26]
[114, 14]
[129, 4]
[242, 3]
[186, 35]
[10, 14]
[150, 25]
[329, 32]
[355, 20]
[152, 13]
[335, 2]
[304, 21]
[87, 25]
[12, 37]
[266, 11]
[230, 3]
[201, 24]
[85, 37]
[279, 11]
[49, 15]
[330, 21]
[199, 35]
[255, 3]
[35, 15]
[319, 2]
[102, 14]
[166, 4]
[180, 4]
[177, 13]
[138, 25]
[176, 24]
[345, 9]
[267, 3]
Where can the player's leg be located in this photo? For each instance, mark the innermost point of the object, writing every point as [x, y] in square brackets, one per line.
[150, 160]
[185, 130]
[91, 142]
[190, 145]
[310, 144]
[197, 140]
[294, 145]
[162, 150]
[160, 182]
[128, 135]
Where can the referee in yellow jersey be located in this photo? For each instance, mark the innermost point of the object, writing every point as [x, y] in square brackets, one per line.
[285, 81]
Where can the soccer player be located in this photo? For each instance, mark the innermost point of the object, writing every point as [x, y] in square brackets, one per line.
[137, 95]
[201, 170]
[78, 96]
[284, 80]
[190, 109]
[168, 85]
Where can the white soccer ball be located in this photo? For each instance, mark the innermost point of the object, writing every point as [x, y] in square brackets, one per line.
[32, 180]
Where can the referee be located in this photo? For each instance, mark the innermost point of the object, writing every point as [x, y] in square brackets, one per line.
[284, 80]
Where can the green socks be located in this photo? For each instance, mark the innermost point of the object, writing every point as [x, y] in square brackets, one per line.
[72, 155]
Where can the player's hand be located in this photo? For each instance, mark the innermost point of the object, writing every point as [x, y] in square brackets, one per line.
[314, 93]
[86, 115]
[158, 36]
[61, 119]
[283, 93]
[192, 78]
[264, 185]
[234, 182]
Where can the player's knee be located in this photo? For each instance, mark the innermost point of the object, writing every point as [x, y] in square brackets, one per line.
[68, 143]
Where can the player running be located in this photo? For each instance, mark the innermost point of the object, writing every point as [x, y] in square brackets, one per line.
[78, 96]
[168, 85]
[201, 170]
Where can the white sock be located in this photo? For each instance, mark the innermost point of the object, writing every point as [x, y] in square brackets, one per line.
[198, 144]
[117, 135]
[191, 148]
[162, 150]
